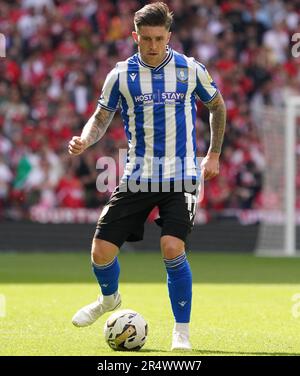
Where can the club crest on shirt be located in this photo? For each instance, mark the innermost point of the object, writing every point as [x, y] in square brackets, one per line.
[182, 74]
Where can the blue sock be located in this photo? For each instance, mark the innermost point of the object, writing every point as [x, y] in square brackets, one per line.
[180, 287]
[108, 276]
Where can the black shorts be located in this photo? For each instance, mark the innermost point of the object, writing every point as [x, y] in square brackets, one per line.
[123, 217]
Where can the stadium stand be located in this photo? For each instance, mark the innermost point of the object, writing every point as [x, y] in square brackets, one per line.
[58, 54]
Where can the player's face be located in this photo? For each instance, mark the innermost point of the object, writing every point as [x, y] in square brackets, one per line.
[152, 42]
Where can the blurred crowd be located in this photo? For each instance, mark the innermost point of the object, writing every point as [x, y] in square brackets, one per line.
[58, 54]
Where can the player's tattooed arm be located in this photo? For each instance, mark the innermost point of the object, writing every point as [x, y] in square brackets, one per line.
[217, 119]
[96, 126]
[93, 130]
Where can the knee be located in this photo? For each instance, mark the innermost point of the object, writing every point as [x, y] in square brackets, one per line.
[103, 252]
[171, 247]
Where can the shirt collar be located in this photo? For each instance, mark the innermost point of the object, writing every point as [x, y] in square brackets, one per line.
[162, 64]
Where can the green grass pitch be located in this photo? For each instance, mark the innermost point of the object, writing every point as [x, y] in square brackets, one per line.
[242, 305]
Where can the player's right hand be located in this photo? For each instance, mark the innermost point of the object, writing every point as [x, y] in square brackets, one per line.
[77, 146]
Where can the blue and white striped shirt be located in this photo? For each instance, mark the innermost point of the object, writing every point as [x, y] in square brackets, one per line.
[158, 106]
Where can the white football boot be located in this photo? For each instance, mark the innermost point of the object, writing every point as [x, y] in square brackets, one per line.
[88, 314]
[181, 341]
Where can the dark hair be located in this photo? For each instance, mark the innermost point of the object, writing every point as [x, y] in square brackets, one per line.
[155, 14]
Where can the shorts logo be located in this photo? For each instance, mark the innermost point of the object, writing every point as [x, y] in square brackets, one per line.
[182, 74]
[191, 201]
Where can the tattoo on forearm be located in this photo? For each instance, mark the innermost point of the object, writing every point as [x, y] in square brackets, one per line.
[96, 127]
[217, 123]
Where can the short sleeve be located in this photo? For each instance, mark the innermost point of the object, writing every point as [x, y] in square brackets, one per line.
[110, 95]
[206, 88]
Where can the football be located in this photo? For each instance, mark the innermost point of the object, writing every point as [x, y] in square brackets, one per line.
[126, 330]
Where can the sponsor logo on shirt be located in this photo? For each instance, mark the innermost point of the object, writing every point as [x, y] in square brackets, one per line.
[166, 97]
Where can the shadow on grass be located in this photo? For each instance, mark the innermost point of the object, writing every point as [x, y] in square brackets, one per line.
[145, 351]
[198, 352]
[136, 353]
[214, 352]
[148, 268]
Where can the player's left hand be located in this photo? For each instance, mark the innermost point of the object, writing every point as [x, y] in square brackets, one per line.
[210, 166]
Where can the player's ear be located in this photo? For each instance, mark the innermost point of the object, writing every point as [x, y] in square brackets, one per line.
[169, 37]
[135, 37]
